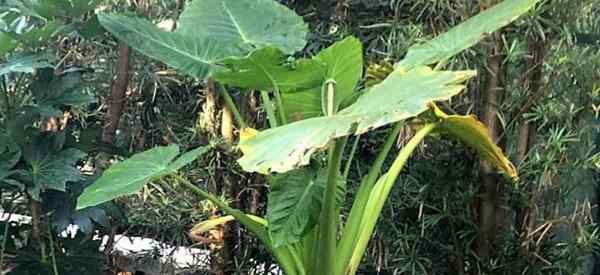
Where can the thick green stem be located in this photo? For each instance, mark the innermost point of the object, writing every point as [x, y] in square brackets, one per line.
[268, 106]
[379, 195]
[350, 232]
[329, 218]
[231, 105]
[328, 224]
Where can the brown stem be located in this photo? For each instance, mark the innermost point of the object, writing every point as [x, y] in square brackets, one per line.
[489, 192]
[35, 209]
[116, 100]
[458, 249]
[526, 216]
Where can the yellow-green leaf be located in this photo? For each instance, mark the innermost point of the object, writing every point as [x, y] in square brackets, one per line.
[402, 95]
[469, 130]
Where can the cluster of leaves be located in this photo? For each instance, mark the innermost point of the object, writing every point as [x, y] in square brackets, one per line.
[41, 152]
[243, 55]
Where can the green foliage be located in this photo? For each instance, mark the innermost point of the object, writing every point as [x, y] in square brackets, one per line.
[26, 63]
[210, 31]
[295, 203]
[303, 201]
[344, 62]
[291, 146]
[194, 56]
[466, 34]
[268, 68]
[130, 176]
[247, 24]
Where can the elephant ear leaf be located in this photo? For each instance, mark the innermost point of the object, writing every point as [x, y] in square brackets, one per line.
[402, 95]
[474, 134]
[130, 176]
[249, 24]
[465, 35]
[194, 56]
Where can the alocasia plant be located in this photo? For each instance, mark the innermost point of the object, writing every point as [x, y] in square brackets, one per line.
[316, 110]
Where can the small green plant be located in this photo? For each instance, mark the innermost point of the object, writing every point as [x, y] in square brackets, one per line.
[312, 107]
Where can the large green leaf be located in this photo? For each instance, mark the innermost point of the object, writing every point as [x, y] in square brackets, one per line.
[26, 63]
[269, 68]
[295, 203]
[130, 176]
[344, 63]
[466, 34]
[194, 56]
[400, 96]
[251, 24]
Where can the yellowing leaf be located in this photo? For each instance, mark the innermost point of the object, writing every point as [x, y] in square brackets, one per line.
[247, 133]
[209, 224]
[469, 130]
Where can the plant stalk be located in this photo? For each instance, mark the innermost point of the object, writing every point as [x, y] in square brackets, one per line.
[268, 106]
[329, 219]
[328, 224]
[280, 108]
[284, 255]
[378, 196]
[350, 232]
[232, 107]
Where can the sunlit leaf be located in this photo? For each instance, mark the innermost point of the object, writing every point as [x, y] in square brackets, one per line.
[130, 176]
[466, 34]
[249, 24]
[402, 95]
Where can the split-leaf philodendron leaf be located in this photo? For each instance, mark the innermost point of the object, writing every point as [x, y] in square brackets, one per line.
[402, 95]
[130, 176]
